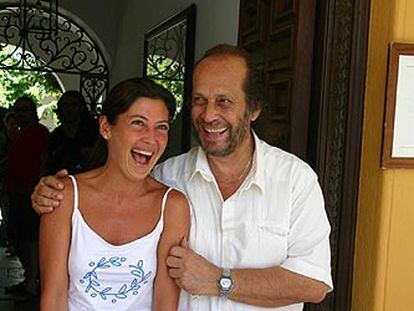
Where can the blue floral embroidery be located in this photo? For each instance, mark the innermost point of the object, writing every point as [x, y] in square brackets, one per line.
[93, 285]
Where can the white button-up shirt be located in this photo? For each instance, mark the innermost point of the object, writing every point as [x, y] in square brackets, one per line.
[275, 218]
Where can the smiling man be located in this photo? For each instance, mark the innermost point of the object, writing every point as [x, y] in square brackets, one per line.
[259, 232]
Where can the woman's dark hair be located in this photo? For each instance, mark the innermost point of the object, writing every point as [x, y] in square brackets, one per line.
[124, 94]
[118, 101]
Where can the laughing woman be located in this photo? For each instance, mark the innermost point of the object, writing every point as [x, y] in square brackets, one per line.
[106, 248]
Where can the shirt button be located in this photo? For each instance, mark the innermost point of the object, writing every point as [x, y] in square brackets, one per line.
[194, 297]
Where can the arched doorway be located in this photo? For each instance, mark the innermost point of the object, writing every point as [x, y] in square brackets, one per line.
[70, 52]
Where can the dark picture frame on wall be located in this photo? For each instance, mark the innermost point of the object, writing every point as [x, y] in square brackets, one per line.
[398, 130]
[169, 61]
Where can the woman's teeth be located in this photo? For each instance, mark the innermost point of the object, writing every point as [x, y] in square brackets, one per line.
[141, 156]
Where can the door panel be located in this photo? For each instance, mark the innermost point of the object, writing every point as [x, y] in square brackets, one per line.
[270, 31]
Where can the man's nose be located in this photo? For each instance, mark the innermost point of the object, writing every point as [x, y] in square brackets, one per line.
[210, 112]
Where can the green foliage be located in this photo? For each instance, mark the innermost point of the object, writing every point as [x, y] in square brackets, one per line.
[174, 85]
[41, 86]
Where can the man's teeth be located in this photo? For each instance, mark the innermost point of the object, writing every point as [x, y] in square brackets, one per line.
[215, 130]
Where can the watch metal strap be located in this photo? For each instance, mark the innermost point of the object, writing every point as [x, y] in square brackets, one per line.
[226, 272]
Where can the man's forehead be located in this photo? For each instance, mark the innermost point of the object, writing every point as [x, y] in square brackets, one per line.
[218, 70]
[220, 60]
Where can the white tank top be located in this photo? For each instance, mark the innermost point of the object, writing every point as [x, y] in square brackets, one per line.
[103, 276]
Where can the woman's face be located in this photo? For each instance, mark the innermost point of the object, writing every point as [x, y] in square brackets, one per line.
[138, 138]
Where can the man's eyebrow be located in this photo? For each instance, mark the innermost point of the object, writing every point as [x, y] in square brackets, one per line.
[197, 94]
[218, 95]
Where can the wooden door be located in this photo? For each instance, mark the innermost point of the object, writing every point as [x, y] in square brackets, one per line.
[279, 36]
[312, 56]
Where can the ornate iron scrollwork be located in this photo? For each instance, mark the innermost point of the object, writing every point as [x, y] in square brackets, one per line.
[165, 59]
[69, 50]
[166, 54]
[168, 59]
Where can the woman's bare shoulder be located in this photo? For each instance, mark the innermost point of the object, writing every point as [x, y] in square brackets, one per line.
[65, 208]
[177, 205]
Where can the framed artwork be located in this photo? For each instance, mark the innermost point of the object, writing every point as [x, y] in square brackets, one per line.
[398, 137]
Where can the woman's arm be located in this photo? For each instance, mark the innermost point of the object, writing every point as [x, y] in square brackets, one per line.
[55, 233]
[176, 227]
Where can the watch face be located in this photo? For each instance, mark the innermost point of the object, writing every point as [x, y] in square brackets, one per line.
[225, 283]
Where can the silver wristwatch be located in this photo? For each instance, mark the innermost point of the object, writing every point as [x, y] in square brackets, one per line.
[225, 283]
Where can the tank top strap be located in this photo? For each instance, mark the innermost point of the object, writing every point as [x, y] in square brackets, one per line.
[75, 193]
[164, 201]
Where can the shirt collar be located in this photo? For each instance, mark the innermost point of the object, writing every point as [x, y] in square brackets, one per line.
[255, 177]
[200, 166]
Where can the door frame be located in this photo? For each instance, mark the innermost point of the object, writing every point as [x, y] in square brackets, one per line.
[335, 133]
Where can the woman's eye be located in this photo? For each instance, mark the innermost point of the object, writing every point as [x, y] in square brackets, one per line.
[163, 127]
[137, 122]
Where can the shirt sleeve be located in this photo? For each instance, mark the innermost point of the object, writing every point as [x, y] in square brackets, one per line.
[308, 237]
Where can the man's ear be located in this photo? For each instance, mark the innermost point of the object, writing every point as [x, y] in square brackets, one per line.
[104, 127]
[255, 114]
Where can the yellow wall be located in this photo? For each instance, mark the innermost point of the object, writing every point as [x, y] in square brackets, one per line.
[384, 246]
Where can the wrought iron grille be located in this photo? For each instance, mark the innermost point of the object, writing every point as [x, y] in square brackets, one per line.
[165, 59]
[168, 59]
[70, 50]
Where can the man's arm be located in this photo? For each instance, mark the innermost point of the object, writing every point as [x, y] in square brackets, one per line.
[275, 287]
[297, 279]
[270, 287]
[48, 193]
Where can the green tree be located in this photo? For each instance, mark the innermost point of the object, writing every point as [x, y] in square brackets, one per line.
[41, 86]
[171, 78]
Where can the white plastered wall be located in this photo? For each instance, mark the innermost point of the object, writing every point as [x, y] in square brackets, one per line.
[216, 22]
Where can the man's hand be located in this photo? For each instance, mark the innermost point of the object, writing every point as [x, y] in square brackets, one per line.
[48, 193]
[192, 272]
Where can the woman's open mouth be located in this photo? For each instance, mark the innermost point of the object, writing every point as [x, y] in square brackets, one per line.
[141, 157]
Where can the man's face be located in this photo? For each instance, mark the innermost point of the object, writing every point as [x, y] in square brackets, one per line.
[70, 110]
[219, 109]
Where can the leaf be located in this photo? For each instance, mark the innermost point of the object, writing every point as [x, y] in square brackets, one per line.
[100, 263]
[140, 263]
[137, 273]
[122, 289]
[114, 258]
[147, 275]
[95, 283]
[121, 296]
